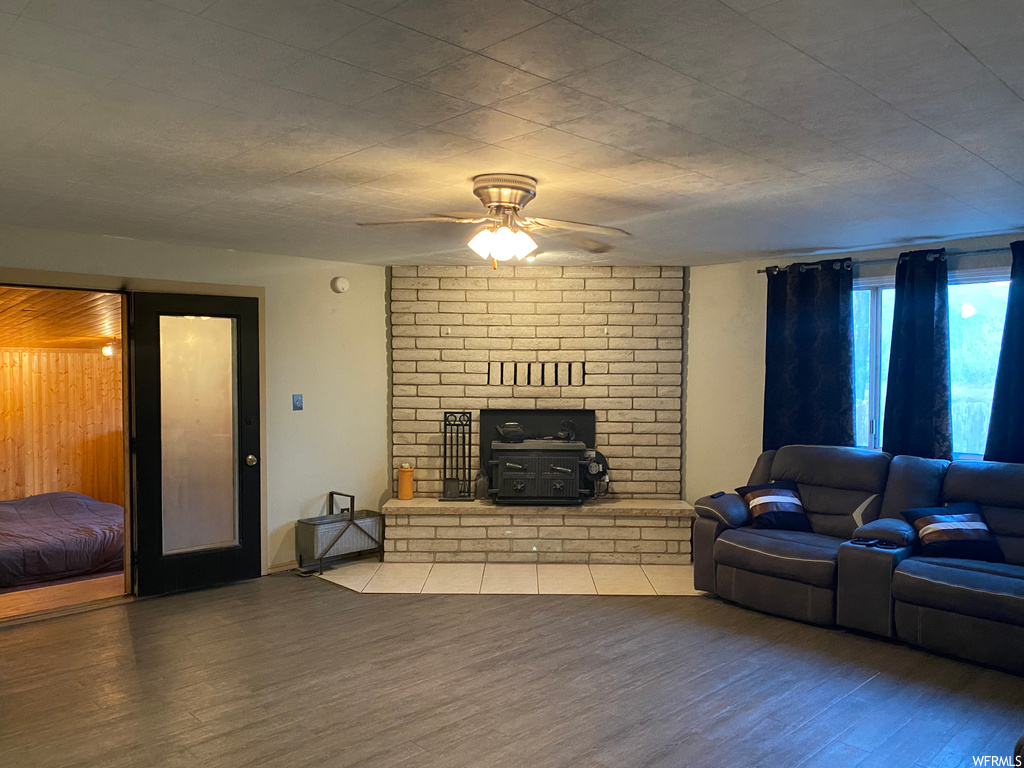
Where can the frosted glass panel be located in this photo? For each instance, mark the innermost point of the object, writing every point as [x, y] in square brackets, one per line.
[197, 433]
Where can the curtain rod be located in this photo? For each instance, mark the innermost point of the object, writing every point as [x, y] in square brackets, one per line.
[805, 267]
[837, 264]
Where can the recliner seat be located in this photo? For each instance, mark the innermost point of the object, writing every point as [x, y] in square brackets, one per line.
[986, 590]
[790, 573]
[969, 608]
[809, 558]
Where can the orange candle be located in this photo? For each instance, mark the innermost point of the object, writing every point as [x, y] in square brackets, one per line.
[405, 483]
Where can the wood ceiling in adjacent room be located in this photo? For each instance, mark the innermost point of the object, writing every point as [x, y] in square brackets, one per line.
[36, 317]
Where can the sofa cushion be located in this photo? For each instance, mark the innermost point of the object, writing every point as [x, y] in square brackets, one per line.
[992, 591]
[998, 488]
[841, 488]
[762, 471]
[775, 506]
[856, 469]
[958, 531]
[809, 558]
[913, 482]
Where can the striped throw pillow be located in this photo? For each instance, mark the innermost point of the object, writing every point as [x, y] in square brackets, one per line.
[958, 530]
[775, 505]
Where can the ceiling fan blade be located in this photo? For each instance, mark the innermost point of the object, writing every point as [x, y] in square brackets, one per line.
[580, 241]
[574, 226]
[590, 244]
[469, 217]
[436, 217]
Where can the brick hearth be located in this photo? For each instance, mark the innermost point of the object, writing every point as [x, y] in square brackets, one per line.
[622, 531]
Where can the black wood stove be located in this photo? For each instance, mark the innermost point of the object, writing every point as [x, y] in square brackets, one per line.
[537, 471]
[541, 457]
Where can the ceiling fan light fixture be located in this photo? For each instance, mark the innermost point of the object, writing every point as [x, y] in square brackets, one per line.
[502, 244]
[524, 245]
[481, 243]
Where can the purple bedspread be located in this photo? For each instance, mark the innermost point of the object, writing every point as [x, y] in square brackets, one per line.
[58, 535]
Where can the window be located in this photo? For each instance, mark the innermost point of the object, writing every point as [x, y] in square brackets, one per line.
[977, 310]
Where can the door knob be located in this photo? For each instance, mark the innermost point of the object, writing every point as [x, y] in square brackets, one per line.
[251, 460]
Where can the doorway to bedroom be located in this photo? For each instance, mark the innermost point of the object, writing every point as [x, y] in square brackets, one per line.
[62, 450]
[130, 436]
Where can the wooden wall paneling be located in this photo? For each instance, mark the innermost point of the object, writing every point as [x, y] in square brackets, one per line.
[62, 423]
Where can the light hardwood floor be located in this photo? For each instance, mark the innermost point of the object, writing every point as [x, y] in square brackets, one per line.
[46, 597]
[296, 673]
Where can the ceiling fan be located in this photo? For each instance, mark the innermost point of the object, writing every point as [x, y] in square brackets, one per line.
[506, 233]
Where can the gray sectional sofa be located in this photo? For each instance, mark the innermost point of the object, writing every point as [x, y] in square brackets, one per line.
[965, 608]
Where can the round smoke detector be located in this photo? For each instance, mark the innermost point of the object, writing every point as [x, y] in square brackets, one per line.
[508, 190]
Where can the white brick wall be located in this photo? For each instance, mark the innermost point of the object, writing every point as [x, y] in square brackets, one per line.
[448, 324]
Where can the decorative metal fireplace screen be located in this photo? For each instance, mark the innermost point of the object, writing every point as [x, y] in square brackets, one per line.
[456, 477]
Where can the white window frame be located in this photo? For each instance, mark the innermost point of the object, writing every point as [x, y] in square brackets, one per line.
[876, 285]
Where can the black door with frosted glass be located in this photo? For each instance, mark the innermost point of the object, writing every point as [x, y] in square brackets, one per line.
[195, 439]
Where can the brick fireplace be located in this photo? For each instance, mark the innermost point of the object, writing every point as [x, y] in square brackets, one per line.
[609, 339]
[602, 338]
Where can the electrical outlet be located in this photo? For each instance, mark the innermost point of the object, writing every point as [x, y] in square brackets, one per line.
[296, 402]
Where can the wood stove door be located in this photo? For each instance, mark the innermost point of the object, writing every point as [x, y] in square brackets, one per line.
[517, 476]
[559, 477]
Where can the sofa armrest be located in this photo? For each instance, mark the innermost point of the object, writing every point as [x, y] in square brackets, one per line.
[728, 509]
[890, 530]
[864, 593]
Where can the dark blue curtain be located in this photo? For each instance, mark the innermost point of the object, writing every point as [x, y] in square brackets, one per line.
[1006, 429]
[808, 386]
[918, 417]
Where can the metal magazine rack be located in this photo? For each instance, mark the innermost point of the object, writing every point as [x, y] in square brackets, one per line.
[344, 533]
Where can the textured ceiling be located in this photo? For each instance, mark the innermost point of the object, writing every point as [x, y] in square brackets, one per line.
[713, 130]
[34, 317]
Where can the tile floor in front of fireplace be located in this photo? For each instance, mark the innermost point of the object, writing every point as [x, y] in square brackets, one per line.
[369, 576]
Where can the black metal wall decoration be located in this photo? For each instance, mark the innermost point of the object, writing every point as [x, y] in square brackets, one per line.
[537, 374]
[456, 480]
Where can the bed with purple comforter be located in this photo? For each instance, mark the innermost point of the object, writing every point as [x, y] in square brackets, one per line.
[58, 535]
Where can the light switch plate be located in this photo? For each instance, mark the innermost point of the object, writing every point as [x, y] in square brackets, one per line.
[296, 402]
